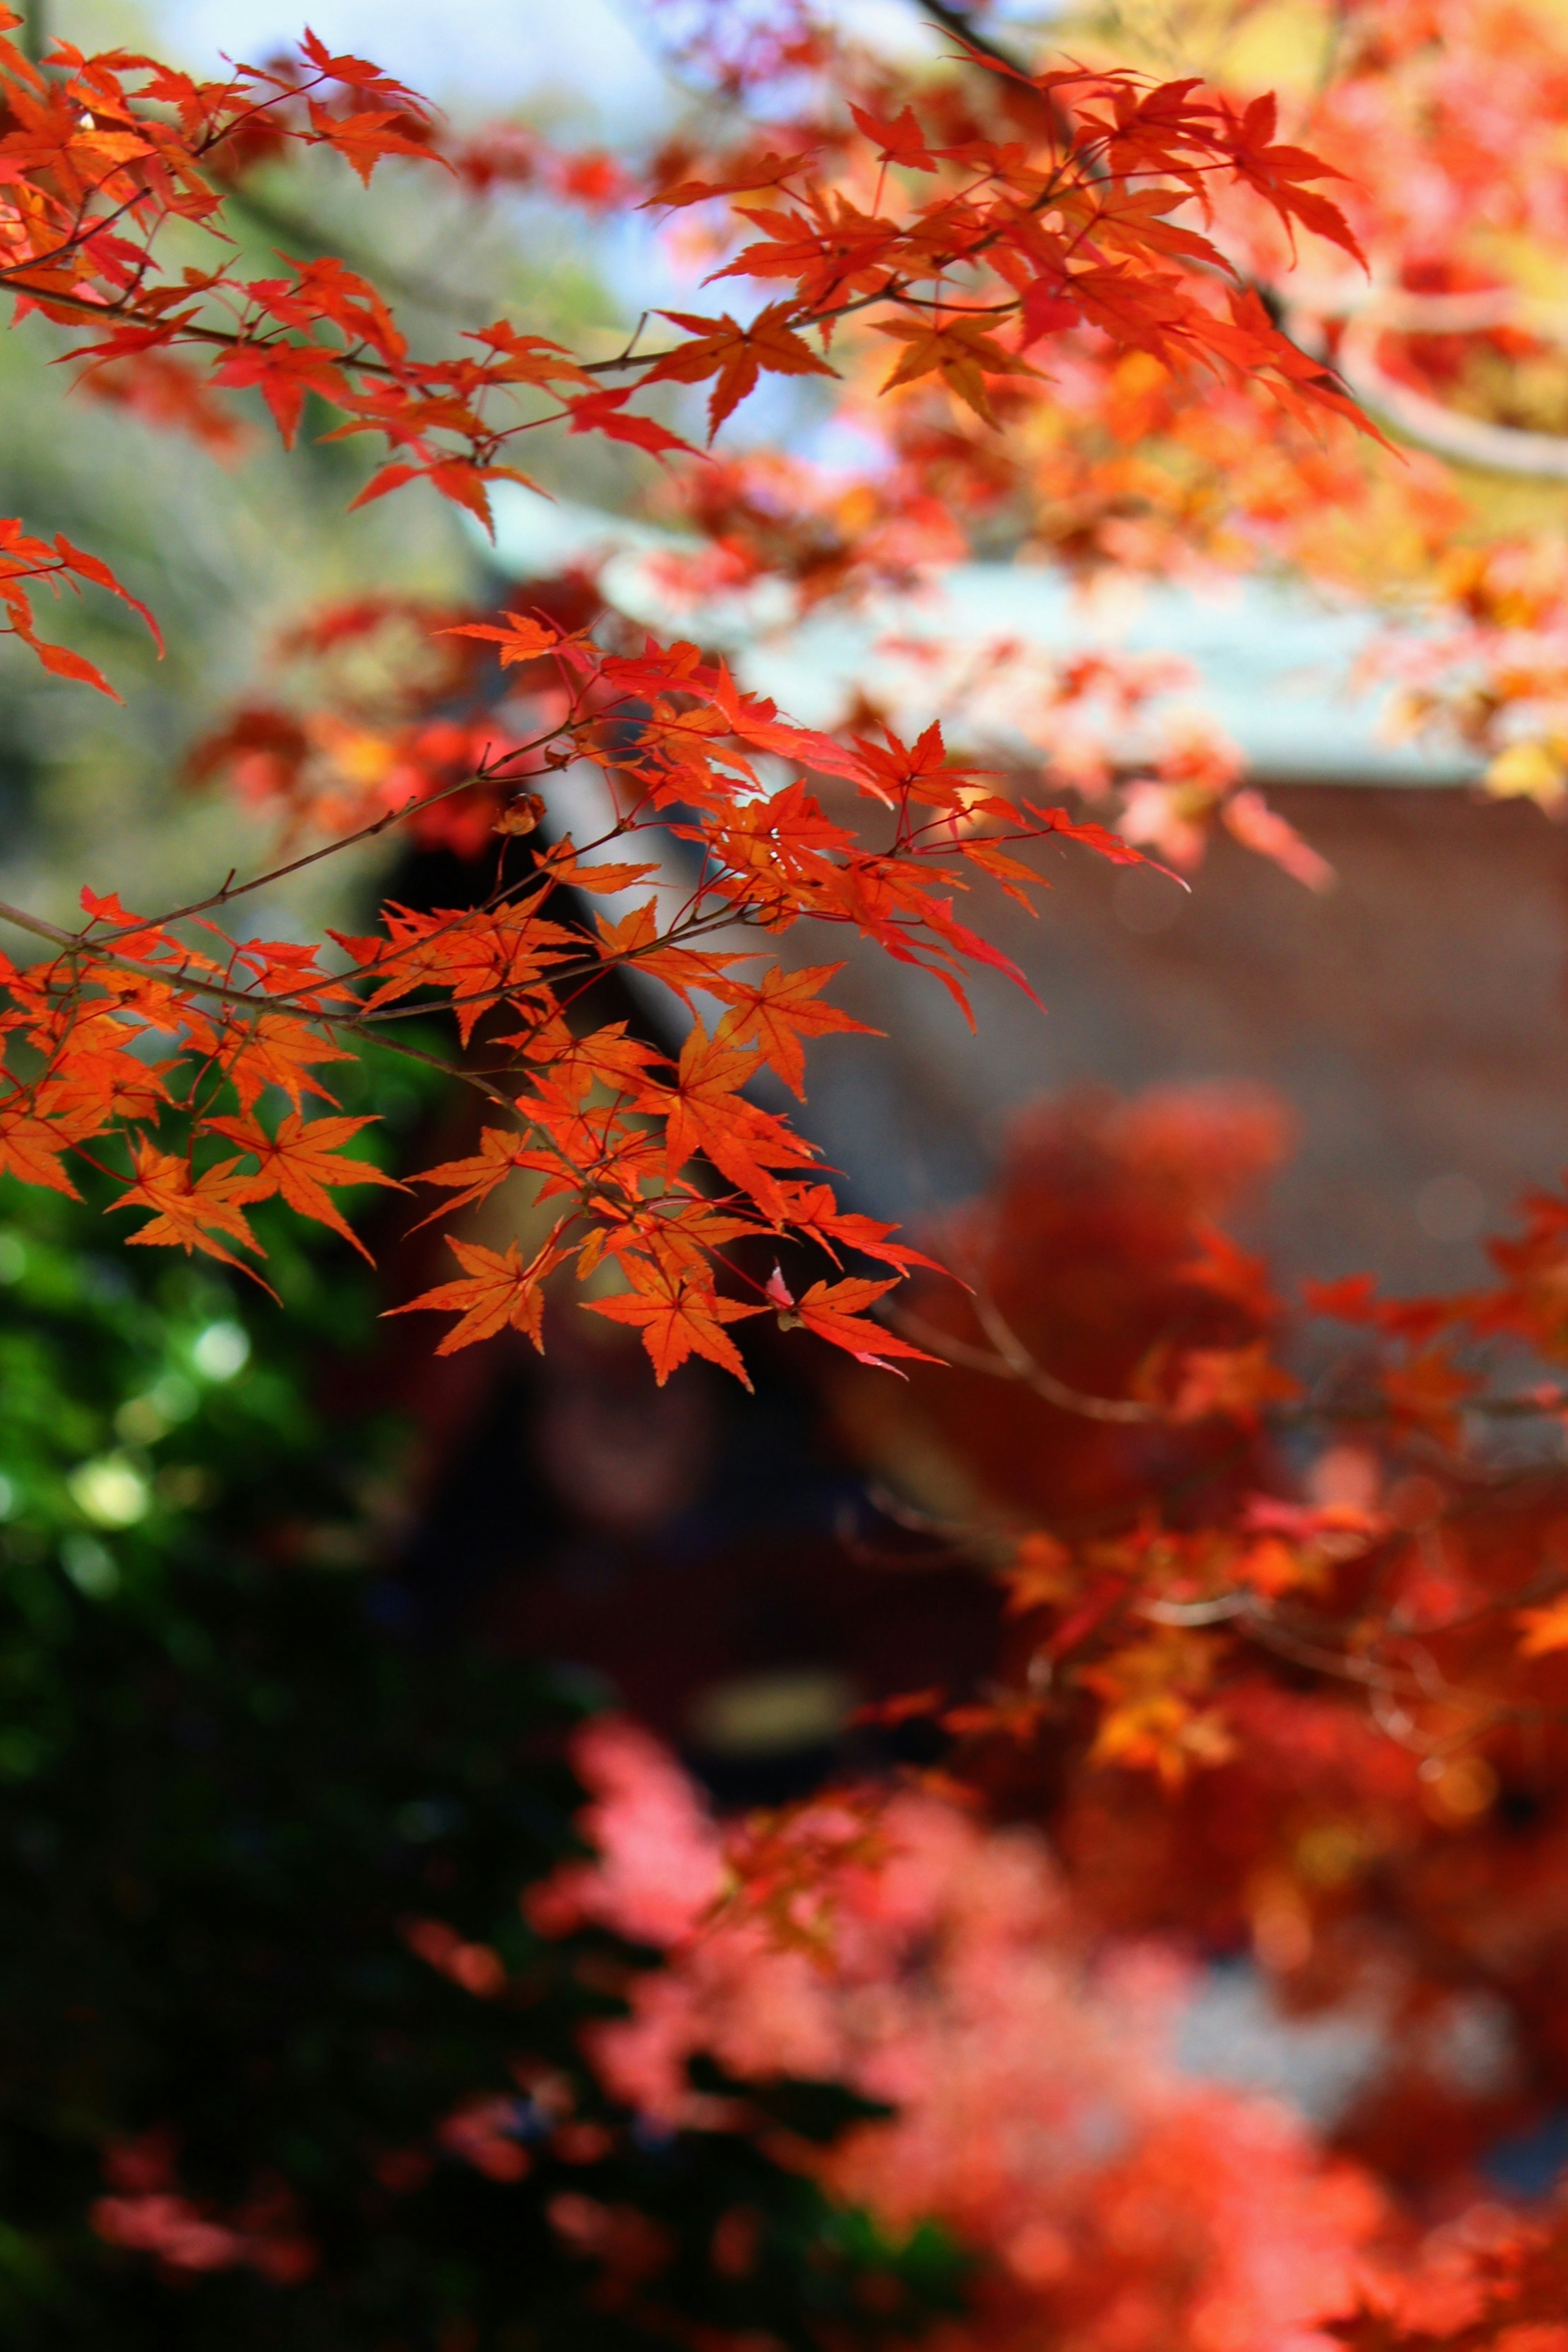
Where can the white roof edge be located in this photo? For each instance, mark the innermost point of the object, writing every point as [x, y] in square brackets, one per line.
[1271, 664]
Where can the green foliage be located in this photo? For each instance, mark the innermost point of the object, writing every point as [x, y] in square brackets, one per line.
[157, 1413]
[239, 1787]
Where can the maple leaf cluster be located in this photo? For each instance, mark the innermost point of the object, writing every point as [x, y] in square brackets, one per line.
[1282, 1661]
[1492, 676]
[1279, 1653]
[1039, 2112]
[1282, 1674]
[107, 151]
[1121, 1379]
[610, 1137]
[1071, 253]
[1443, 125]
[161, 1047]
[388, 716]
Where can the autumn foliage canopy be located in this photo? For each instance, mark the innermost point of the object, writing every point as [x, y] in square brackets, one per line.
[1146, 322]
[961, 250]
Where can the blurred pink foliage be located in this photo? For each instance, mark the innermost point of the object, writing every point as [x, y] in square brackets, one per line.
[1121, 2205]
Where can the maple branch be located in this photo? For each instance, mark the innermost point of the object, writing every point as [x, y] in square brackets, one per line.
[958, 23]
[984, 52]
[304, 1001]
[1467, 440]
[470, 1077]
[175, 976]
[232, 889]
[380, 825]
[1012, 1361]
[1218, 1611]
[1264, 1625]
[589, 969]
[1009, 1359]
[483, 444]
[89, 225]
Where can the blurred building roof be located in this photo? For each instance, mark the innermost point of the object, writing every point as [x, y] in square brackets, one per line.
[1271, 664]
[1413, 1018]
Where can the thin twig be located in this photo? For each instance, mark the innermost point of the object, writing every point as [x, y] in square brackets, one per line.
[1012, 1361]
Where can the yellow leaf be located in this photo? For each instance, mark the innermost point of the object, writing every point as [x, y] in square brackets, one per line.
[1531, 772]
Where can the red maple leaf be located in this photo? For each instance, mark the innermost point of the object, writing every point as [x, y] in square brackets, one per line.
[301, 1161]
[679, 1316]
[736, 355]
[497, 1289]
[834, 1311]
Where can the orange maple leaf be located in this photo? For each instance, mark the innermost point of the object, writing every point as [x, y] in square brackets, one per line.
[737, 355]
[1234, 1382]
[1154, 1717]
[607, 1057]
[706, 1114]
[781, 1010]
[679, 1316]
[898, 139]
[500, 1153]
[528, 359]
[958, 350]
[496, 1288]
[270, 1049]
[812, 1212]
[834, 1312]
[520, 637]
[1276, 173]
[301, 1160]
[562, 864]
[363, 141]
[190, 1210]
[636, 939]
[30, 1148]
[24, 558]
